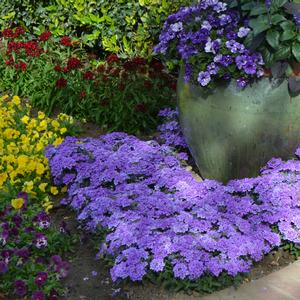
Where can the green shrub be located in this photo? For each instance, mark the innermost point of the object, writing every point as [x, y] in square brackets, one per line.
[125, 27]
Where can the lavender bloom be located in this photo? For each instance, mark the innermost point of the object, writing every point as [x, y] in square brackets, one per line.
[243, 32]
[213, 69]
[242, 82]
[268, 4]
[297, 18]
[204, 78]
[179, 38]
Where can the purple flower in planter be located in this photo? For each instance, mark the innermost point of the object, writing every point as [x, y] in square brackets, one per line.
[29, 230]
[212, 69]
[243, 32]
[206, 25]
[20, 288]
[40, 240]
[224, 19]
[242, 82]
[3, 267]
[38, 295]
[40, 278]
[7, 254]
[250, 68]
[297, 18]
[40, 260]
[268, 4]
[241, 61]
[235, 47]
[204, 78]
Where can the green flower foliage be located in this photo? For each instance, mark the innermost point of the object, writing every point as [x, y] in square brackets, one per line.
[125, 27]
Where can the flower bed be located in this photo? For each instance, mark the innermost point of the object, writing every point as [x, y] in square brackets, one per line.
[56, 73]
[161, 223]
[30, 261]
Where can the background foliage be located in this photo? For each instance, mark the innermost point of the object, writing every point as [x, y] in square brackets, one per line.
[124, 27]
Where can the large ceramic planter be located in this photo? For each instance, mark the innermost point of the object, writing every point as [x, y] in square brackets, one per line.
[233, 133]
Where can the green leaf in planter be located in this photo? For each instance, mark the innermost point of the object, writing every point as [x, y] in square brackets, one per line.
[287, 25]
[258, 10]
[259, 25]
[273, 38]
[283, 53]
[275, 19]
[278, 3]
[287, 35]
[296, 50]
[268, 57]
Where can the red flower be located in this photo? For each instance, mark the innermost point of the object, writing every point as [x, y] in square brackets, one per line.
[88, 75]
[58, 68]
[61, 83]
[19, 31]
[32, 49]
[112, 58]
[73, 63]
[45, 36]
[66, 41]
[66, 70]
[8, 33]
[21, 66]
[101, 69]
[157, 66]
[115, 72]
[14, 46]
[141, 107]
[9, 61]
[129, 65]
[139, 61]
[82, 94]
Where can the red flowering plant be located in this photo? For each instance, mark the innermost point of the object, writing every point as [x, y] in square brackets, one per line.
[53, 72]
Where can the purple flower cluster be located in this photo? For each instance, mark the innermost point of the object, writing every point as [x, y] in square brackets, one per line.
[156, 213]
[208, 37]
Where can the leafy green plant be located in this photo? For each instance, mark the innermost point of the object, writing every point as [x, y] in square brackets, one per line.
[128, 28]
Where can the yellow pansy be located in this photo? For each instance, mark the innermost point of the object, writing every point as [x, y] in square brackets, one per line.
[17, 203]
[63, 130]
[43, 186]
[54, 190]
[25, 119]
[40, 169]
[41, 115]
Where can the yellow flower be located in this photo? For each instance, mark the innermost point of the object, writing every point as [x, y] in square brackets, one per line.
[17, 203]
[43, 186]
[58, 141]
[55, 124]
[54, 190]
[64, 189]
[16, 100]
[41, 115]
[40, 169]
[25, 119]
[63, 130]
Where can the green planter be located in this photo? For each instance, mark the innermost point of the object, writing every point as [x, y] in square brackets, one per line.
[232, 134]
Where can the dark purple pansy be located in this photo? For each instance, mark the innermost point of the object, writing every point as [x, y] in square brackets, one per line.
[20, 288]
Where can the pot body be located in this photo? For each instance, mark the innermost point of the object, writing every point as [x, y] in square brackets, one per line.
[232, 133]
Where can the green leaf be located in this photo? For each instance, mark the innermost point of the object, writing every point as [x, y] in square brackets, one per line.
[287, 25]
[287, 35]
[296, 51]
[268, 57]
[259, 25]
[258, 10]
[275, 19]
[278, 3]
[273, 38]
[283, 52]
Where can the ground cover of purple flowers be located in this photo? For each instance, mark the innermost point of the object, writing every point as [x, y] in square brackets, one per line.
[160, 220]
